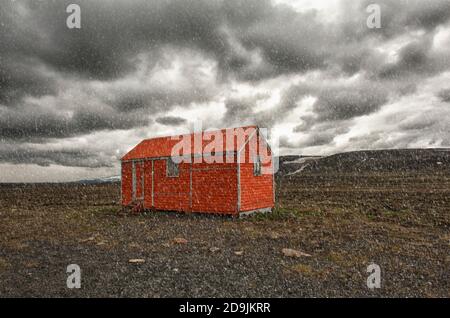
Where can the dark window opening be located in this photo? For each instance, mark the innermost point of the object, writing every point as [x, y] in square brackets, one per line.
[172, 168]
[257, 166]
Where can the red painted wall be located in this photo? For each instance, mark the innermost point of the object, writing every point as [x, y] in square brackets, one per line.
[256, 191]
[126, 183]
[139, 166]
[171, 193]
[214, 186]
[148, 184]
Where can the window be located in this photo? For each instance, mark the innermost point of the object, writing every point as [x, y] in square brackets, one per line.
[257, 166]
[172, 168]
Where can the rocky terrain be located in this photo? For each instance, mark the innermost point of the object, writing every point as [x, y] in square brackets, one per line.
[396, 160]
[333, 218]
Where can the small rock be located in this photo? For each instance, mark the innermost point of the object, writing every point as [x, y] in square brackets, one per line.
[274, 235]
[294, 253]
[180, 240]
[214, 249]
[136, 261]
[88, 239]
[239, 253]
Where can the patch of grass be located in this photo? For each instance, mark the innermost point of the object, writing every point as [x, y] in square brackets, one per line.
[281, 213]
[106, 210]
[346, 260]
[253, 232]
[303, 269]
[337, 258]
[4, 264]
[401, 216]
[16, 244]
[308, 271]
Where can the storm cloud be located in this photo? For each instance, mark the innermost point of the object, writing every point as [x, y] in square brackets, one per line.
[170, 120]
[444, 95]
[136, 69]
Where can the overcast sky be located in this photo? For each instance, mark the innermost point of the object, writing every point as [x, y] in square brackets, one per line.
[73, 101]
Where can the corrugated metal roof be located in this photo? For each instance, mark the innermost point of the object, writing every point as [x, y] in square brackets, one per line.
[163, 146]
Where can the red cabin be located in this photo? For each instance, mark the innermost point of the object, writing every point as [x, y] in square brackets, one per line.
[228, 171]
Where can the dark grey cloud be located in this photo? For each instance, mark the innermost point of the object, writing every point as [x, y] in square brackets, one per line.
[239, 109]
[155, 98]
[318, 135]
[20, 154]
[170, 120]
[345, 103]
[33, 122]
[59, 83]
[306, 123]
[113, 32]
[428, 128]
[318, 139]
[232, 32]
[283, 47]
[444, 95]
[398, 17]
[336, 102]
[420, 122]
[19, 78]
[414, 58]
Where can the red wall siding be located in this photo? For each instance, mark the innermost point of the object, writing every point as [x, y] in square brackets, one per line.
[148, 184]
[171, 193]
[214, 187]
[126, 183]
[256, 191]
[139, 181]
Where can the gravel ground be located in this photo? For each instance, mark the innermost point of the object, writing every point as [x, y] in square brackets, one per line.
[345, 222]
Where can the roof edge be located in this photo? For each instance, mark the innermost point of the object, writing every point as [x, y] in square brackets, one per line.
[124, 157]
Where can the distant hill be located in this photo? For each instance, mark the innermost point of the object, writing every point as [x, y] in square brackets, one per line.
[112, 179]
[352, 162]
[294, 163]
[369, 161]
